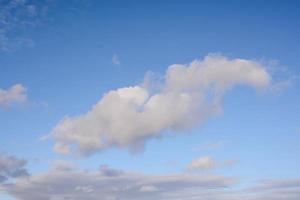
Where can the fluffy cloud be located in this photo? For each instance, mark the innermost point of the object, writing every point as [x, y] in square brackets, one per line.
[189, 95]
[11, 167]
[90, 185]
[205, 162]
[16, 94]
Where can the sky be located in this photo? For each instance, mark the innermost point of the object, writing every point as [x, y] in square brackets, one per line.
[127, 100]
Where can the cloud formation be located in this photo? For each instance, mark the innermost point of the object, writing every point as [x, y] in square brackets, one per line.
[189, 95]
[11, 167]
[90, 185]
[74, 184]
[205, 162]
[16, 94]
[208, 163]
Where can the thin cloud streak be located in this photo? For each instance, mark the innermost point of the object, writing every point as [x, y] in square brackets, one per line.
[115, 60]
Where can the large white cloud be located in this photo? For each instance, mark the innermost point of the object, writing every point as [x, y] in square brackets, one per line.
[126, 117]
[16, 94]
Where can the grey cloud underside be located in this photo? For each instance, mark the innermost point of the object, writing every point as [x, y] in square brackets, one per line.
[188, 96]
[96, 185]
[77, 185]
[11, 167]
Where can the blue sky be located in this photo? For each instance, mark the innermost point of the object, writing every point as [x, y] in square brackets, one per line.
[67, 55]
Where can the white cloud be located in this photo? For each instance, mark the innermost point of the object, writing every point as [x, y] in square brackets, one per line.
[209, 163]
[16, 94]
[201, 163]
[189, 95]
[115, 60]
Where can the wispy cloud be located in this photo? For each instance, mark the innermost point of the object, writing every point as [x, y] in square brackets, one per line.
[115, 60]
[16, 94]
[17, 16]
[128, 116]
